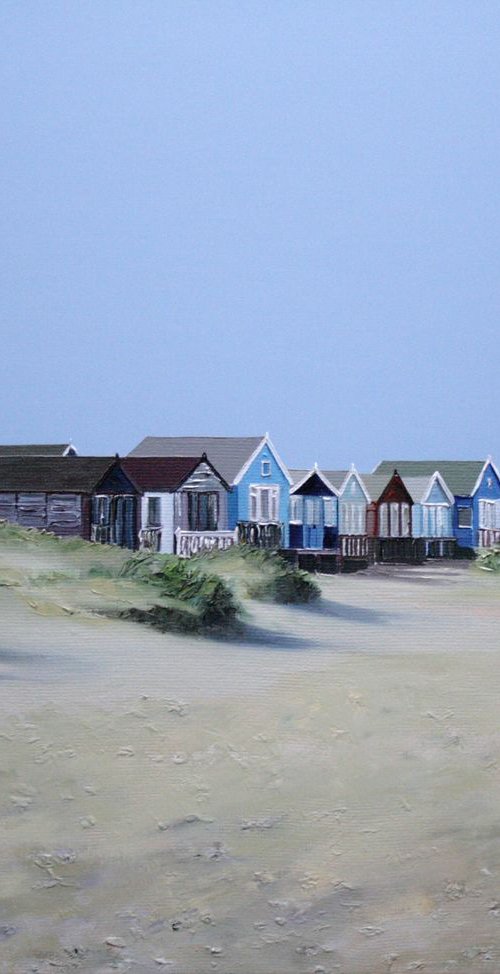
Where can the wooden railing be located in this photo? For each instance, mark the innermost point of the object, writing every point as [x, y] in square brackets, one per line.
[268, 535]
[150, 539]
[440, 547]
[355, 546]
[188, 543]
[401, 550]
[488, 537]
[100, 533]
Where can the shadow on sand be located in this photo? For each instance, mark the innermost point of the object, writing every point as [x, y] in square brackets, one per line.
[350, 613]
[263, 638]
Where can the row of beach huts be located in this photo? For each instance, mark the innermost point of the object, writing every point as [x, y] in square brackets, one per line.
[190, 494]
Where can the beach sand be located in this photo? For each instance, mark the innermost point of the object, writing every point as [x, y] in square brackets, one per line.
[319, 796]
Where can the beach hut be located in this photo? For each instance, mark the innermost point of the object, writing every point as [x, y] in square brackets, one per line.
[71, 496]
[258, 479]
[475, 485]
[313, 511]
[389, 519]
[184, 504]
[353, 499]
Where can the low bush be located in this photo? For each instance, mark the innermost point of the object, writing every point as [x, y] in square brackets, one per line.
[266, 575]
[489, 560]
[207, 594]
[285, 586]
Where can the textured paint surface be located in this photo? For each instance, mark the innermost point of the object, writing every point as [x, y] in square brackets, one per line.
[352, 494]
[319, 796]
[240, 502]
[489, 489]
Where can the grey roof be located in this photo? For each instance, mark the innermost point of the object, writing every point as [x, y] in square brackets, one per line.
[34, 449]
[418, 487]
[228, 454]
[78, 475]
[375, 483]
[336, 477]
[298, 475]
[460, 476]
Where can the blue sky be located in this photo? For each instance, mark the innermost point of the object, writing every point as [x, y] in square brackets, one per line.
[240, 217]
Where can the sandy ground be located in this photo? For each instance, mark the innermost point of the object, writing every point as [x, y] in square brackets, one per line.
[321, 796]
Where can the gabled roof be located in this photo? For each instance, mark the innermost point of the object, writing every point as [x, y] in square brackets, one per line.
[340, 478]
[461, 476]
[376, 483]
[337, 477]
[420, 487]
[231, 455]
[78, 475]
[298, 475]
[36, 449]
[164, 473]
[300, 481]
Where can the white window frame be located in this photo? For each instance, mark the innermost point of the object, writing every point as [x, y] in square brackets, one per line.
[265, 468]
[405, 515]
[465, 527]
[440, 514]
[103, 509]
[157, 498]
[383, 520]
[312, 511]
[329, 512]
[296, 512]
[256, 492]
[487, 514]
[352, 518]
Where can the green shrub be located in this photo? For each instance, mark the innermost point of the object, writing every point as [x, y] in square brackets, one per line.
[164, 619]
[266, 575]
[208, 594]
[285, 586]
[489, 560]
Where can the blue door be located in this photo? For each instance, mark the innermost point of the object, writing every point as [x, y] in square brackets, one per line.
[313, 522]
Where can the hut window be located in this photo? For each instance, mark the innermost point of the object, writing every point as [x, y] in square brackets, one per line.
[486, 514]
[383, 520]
[436, 520]
[101, 509]
[353, 518]
[312, 510]
[465, 517]
[394, 524]
[154, 512]
[405, 520]
[264, 503]
[329, 512]
[441, 521]
[202, 511]
[265, 468]
[296, 510]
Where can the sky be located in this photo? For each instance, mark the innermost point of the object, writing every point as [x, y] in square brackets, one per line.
[232, 218]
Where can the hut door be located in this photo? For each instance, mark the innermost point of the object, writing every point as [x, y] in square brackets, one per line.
[313, 522]
[123, 521]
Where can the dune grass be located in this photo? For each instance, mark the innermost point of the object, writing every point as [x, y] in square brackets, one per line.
[489, 560]
[203, 595]
[263, 574]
